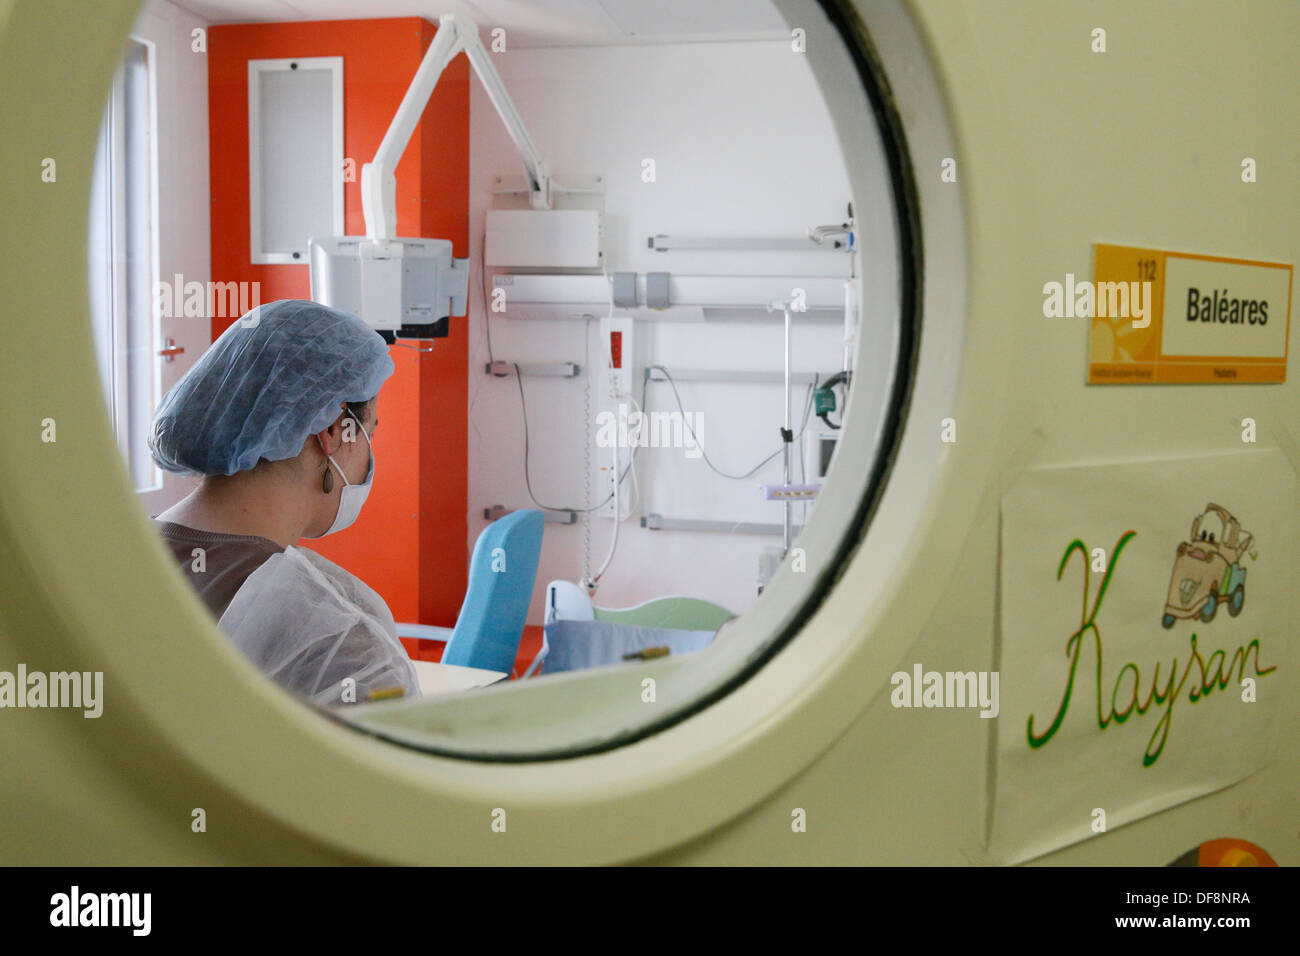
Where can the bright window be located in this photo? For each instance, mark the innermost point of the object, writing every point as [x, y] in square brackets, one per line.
[124, 260]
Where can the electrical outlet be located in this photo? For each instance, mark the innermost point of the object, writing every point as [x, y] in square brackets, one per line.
[606, 486]
[616, 360]
[616, 357]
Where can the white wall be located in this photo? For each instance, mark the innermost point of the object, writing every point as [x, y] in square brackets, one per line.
[743, 147]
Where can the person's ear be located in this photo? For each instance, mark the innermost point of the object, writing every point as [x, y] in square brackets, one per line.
[330, 439]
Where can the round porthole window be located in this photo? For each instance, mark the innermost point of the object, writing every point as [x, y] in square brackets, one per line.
[865, 100]
[713, 346]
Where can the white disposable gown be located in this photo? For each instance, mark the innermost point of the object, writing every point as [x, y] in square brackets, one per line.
[309, 625]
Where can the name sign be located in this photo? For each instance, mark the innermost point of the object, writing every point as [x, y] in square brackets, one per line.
[1208, 319]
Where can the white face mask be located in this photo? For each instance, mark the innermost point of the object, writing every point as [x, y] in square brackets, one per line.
[352, 497]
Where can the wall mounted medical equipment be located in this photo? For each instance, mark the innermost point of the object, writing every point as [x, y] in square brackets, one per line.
[624, 288]
[617, 345]
[500, 369]
[559, 514]
[786, 492]
[544, 238]
[836, 238]
[663, 243]
[617, 339]
[657, 374]
[825, 397]
[657, 291]
[839, 236]
[395, 279]
[819, 450]
[552, 515]
[406, 288]
[658, 522]
[850, 322]
[691, 297]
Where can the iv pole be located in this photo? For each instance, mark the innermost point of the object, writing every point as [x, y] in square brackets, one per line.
[785, 492]
[787, 435]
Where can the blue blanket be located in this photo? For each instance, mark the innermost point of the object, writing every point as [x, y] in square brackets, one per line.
[581, 644]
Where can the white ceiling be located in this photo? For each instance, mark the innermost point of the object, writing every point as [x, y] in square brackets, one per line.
[534, 23]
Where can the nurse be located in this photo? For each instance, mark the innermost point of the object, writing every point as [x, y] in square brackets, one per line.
[277, 417]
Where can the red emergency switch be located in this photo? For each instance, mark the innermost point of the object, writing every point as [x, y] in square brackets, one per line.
[616, 348]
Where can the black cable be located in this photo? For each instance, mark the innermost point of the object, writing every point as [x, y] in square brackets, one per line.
[528, 484]
[482, 281]
[645, 384]
[803, 427]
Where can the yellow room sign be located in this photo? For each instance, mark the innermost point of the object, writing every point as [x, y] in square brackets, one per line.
[1175, 317]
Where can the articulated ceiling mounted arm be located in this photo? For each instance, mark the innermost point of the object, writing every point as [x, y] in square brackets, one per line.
[378, 181]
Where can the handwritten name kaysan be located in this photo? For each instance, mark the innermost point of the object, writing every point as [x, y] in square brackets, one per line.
[1210, 673]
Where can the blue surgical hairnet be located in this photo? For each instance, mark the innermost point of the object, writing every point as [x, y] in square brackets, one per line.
[268, 382]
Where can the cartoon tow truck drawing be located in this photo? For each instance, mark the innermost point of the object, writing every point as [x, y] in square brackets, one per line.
[1207, 571]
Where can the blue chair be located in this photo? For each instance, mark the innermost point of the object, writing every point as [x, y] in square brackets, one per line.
[491, 620]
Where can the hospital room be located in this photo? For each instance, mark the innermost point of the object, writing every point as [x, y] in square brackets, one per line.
[830, 432]
[614, 317]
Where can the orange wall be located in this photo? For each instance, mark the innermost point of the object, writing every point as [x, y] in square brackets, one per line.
[410, 542]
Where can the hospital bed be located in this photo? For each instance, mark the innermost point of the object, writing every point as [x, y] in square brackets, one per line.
[578, 634]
